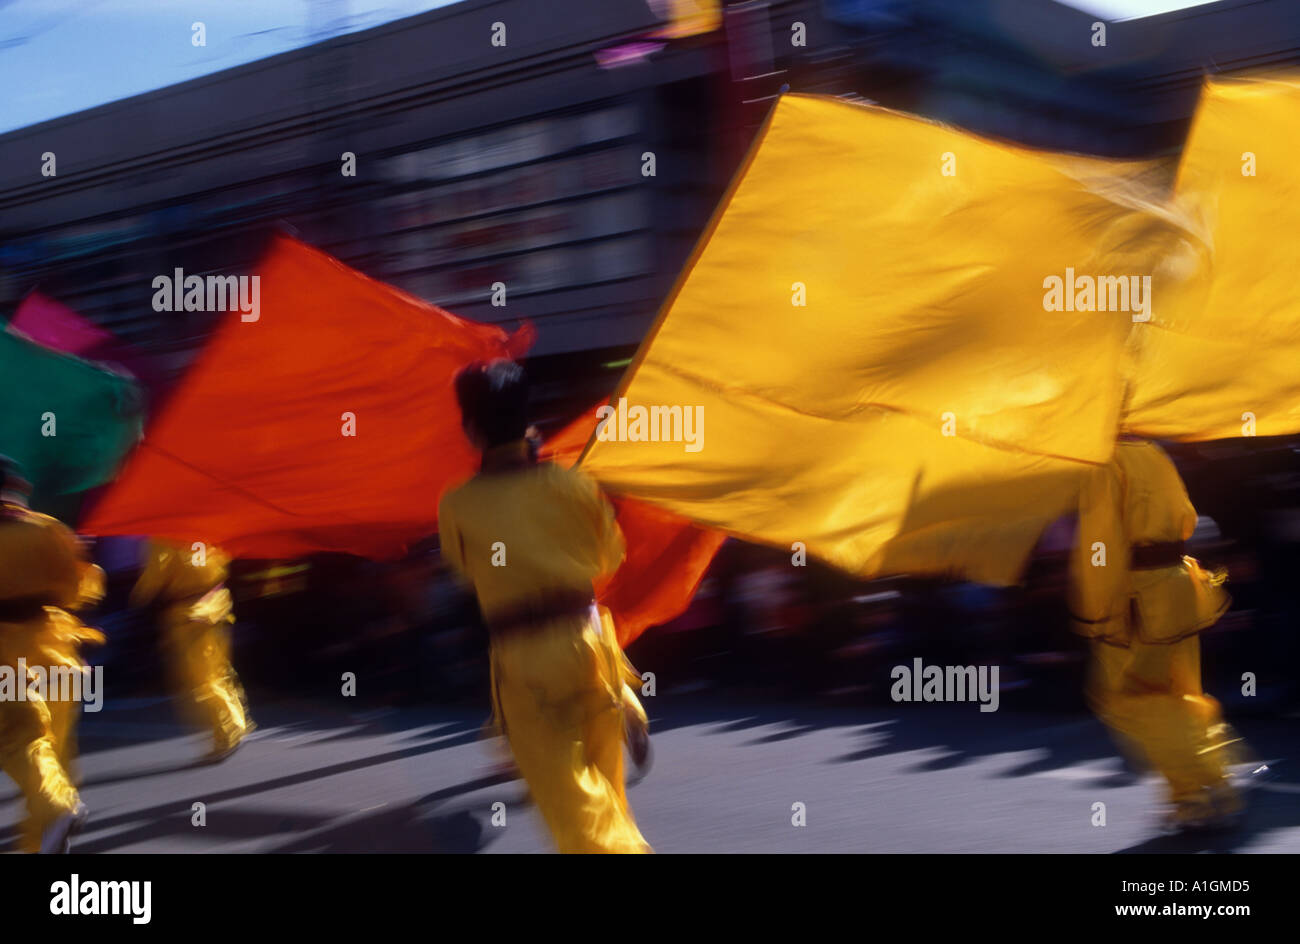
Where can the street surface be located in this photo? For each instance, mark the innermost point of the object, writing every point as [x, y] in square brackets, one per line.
[726, 777]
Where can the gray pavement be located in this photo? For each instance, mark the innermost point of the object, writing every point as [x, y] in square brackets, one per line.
[726, 778]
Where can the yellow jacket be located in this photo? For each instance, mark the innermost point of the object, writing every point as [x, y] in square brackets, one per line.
[1138, 499]
[518, 531]
[43, 568]
[184, 589]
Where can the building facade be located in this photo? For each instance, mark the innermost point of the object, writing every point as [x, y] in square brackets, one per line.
[538, 165]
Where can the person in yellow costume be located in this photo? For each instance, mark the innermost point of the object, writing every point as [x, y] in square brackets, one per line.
[44, 574]
[1142, 602]
[532, 538]
[188, 590]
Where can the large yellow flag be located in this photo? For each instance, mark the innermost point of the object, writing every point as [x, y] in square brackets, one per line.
[1220, 356]
[884, 348]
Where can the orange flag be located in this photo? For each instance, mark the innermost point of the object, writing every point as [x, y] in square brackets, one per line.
[327, 422]
[667, 555]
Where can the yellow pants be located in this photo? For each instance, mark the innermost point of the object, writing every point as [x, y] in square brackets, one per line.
[38, 746]
[197, 643]
[560, 696]
[1150, 696]
[37, 751]
[633, 711]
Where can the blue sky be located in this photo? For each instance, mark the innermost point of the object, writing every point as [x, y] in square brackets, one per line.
[62, 56]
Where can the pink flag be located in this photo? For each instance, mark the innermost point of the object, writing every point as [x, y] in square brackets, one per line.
[57, 326]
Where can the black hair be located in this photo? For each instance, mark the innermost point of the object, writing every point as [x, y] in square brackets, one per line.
[493, 397]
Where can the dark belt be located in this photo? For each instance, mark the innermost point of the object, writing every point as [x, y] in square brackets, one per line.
[537, 611]
[1156, 556]
[22, 609]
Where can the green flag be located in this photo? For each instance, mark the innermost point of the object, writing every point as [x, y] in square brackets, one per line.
[68, 423]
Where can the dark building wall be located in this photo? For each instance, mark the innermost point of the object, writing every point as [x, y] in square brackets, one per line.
[478, 164]
[1029, 71]
[475, 164]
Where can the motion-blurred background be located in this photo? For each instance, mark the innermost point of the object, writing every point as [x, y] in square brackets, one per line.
[476, 167]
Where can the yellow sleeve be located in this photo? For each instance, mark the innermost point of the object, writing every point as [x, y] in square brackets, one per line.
[152, 577]
[613, 547]
[1183, 508]
[90, 585]
[209, 575]
[89, 578]
[609, 537]
[1099, 565]
[450, 540]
